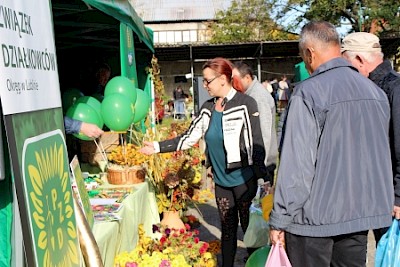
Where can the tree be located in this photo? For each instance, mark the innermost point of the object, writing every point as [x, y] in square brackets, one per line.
[375, 16]
[247, 20]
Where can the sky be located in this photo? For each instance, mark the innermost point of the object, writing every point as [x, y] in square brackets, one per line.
[291, 16]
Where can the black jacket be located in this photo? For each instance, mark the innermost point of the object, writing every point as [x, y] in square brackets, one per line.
[389, 80]
[240, 120]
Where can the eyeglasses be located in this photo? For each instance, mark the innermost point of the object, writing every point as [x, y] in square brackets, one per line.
[207, 82]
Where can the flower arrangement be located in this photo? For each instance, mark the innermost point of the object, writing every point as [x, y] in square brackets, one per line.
[181, 248]
[175, 176]
[174, 180]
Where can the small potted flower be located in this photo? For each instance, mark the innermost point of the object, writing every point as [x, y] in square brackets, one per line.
[174, 247]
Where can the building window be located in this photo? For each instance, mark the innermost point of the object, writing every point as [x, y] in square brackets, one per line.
[193, 36]
[162, 37]
[178, 37]
[155, 37]
[170, 37]
[185, 36]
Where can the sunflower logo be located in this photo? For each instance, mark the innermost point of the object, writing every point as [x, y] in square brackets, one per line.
[51, 205]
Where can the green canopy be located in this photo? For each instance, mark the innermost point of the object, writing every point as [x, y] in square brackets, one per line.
[301, 72]
[123, 11]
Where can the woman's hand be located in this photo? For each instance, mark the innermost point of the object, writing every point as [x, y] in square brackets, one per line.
[148, 148]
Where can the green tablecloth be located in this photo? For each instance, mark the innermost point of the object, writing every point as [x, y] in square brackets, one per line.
[116, 237]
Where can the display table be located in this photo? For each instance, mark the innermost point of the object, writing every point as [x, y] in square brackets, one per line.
[139, 207]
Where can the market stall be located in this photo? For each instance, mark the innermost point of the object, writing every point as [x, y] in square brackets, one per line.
[33, 119]
[114, 237]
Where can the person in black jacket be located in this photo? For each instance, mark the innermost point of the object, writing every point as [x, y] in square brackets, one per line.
[363, 50]
[230, 125]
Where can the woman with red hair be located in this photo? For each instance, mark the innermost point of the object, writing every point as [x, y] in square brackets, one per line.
[229, 123]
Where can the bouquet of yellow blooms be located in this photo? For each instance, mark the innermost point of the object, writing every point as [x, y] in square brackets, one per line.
[175, 176]
[180, 248]
[174, 180]
[127, 155]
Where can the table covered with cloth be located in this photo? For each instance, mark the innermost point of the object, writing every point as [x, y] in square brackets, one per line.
[114, 237]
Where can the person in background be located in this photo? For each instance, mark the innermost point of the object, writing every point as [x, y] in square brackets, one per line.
[335, 179]
[228, 118]
[179, 102]
[283, 94]
[363, 51]
[275, 87]
[73, 126]
[267, 85]
[102, 76]
[266, 106]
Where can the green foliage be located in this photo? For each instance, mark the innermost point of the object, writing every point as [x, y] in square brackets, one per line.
[362, 15]
[247, 20]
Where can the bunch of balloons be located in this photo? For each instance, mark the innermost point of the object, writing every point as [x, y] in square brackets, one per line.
[123, 105]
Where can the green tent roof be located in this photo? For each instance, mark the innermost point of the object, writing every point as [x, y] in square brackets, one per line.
[123, 11]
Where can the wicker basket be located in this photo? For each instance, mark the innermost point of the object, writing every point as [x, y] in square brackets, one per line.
[126, 175]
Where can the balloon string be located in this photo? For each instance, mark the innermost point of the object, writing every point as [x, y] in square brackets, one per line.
[102, 151]
[123, 145]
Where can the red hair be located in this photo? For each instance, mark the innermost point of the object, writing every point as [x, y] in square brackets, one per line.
[223, 66]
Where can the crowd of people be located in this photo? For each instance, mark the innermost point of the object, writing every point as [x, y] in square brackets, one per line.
[339, 161]
[338, 140]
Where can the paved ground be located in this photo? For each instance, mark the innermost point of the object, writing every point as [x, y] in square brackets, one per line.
[210, 230]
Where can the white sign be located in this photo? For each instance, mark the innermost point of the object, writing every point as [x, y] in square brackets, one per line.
[28, 63]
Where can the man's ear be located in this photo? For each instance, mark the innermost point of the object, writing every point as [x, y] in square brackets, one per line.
[360, 59]
[309, 54]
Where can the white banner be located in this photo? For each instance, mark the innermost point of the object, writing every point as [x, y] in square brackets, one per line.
[28, 63]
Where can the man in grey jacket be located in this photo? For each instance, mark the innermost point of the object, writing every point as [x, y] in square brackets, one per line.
[335, 179]
[266, 107]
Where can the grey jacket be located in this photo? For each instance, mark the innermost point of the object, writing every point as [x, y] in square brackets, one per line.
[266, 106]
[335, 173]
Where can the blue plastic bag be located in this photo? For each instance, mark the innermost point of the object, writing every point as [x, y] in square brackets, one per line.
[388, 249]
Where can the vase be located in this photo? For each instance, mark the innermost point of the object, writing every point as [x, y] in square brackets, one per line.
[172, 219]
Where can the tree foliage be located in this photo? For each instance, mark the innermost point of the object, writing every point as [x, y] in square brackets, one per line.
[363, 15]
[247, 20]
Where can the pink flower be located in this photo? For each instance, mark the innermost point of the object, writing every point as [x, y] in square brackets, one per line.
[131, 264]
[203, 250]
[165, 263]
[196, 240]
[163, 239]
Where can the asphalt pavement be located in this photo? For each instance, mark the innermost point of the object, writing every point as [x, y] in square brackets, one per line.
[210, 231]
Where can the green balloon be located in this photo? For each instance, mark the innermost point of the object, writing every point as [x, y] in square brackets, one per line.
[117, 112]
[142, 106]
[121, 85]
[94, 103]
[259, 257]
[85, 113]
[69, 97]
